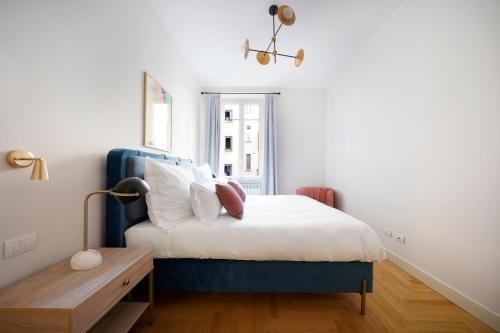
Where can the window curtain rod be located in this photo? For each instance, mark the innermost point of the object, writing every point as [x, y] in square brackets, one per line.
[241, 93]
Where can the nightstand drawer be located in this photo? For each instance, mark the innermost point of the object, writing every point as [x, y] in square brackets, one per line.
[101, 302]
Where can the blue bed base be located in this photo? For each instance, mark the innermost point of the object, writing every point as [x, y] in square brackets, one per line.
[223, 275]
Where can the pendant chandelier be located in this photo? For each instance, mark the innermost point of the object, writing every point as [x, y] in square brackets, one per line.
[286, 16]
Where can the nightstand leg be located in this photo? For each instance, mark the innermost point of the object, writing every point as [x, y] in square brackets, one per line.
[151, 296]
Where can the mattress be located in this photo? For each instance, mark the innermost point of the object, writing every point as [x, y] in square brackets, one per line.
[282, 227]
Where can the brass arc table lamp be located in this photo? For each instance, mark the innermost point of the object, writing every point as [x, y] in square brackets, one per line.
[126, 191]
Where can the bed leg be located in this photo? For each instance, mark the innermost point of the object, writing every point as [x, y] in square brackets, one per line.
[362, 292]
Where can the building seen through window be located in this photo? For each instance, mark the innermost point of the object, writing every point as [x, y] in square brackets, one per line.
[228, 170]
[228, 144]
[241, 132]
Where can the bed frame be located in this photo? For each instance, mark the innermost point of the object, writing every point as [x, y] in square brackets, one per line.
[225, 275]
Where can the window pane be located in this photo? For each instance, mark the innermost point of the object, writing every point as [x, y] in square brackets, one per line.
[228, 169]
[248, 161]
[231, 132]
[251, 140]
[229, 143]
[252, 111]
[231, 110]
[240, 125]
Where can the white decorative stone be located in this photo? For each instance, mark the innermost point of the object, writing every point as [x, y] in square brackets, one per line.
[85, 260]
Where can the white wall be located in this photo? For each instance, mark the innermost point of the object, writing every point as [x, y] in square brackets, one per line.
[301, 135]
[301, 138]
[413, 140]
[70, 90]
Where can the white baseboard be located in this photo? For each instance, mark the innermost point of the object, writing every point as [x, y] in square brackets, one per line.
[477, 310]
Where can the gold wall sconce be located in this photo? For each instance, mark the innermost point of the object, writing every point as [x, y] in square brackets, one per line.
[24, 159]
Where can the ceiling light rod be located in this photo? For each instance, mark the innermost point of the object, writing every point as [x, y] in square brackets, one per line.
[286, 15]
[273, 39]
[241, 93]
[273, 10]
[278, 54]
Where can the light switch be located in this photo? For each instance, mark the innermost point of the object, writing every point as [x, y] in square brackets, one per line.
[15, 246]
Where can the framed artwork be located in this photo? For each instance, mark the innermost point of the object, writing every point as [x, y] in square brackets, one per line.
[157, 115]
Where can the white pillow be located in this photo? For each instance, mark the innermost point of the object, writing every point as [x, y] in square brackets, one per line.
[202, 173]
[168, 198]
[205, 202]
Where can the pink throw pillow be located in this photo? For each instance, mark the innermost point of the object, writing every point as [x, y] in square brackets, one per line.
[238, 188]
[230, 199]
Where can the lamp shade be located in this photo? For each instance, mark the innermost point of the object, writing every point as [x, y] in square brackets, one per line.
[246, 48]
[263, 58]
[40, 170]
[286, 15]
[299, 58]
[130, 185]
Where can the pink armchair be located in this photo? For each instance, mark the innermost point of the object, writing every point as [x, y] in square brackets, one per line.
[325, 195]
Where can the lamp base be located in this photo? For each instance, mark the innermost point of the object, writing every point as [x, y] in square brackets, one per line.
[85, 260]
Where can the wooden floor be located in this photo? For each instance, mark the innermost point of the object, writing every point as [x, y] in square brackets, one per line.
[400, 303]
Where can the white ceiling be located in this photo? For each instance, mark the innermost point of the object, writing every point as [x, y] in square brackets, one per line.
[210, 33]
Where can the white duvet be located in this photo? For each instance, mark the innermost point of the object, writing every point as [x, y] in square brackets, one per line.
[283, 227]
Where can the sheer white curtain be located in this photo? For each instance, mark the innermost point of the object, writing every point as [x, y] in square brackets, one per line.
[270, 163]
[212, 131]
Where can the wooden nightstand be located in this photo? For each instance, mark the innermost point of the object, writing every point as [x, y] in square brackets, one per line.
[59, 299]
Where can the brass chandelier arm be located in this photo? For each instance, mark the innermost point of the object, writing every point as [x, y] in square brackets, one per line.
[286, 55]
[278, 54]
[273, 38]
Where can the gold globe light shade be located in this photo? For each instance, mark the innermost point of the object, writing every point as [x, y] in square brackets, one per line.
[246, 48]
[299, 57]
[286, 15]
[263, 58]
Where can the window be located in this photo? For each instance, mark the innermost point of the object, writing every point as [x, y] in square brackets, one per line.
[243, 151]
[248, 134]
[229, 143]
[228, 169]
[248, 162]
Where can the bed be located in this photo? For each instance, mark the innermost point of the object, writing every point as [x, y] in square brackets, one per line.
[283, 244]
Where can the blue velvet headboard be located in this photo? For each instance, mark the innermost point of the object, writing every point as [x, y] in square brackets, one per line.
[123, 163]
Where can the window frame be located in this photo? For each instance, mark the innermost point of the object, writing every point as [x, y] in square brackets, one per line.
[242, 101]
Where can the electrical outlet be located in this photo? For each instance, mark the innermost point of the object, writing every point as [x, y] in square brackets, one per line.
[400, 237]
[13, 247]
[388, 232]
